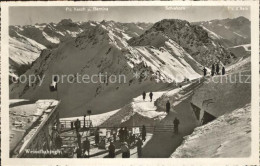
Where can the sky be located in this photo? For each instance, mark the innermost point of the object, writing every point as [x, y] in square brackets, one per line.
[33, 15]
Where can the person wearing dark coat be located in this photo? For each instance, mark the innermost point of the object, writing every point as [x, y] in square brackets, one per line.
[58, 142]
[212, 70]
[86, 146]
[126, 134]
[79, 140]
[176, 123]
[144, 95]
[71, 125]
[205, 71]
[132, 139]
[97, 136]
[125, 150]
[121, 134]
[168, 106]
[111, 148]
[217, 69]
[77, 125]
[143, 133]
[223, 70]
[114, 134]
[79, 152]
[151, 96]
[139, 145]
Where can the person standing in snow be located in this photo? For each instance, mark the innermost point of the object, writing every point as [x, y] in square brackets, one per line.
[151, 96]
[114, 134]
[58, 142]
[139, 145]
[86, 146]
[125, 150]
[205, 71]
[217, 69]
[112, 149]
[168, 106]
[144, 95]
[78, 152]
[126, 134]
[213, 69]
[176, 123]
[71, 125]
[97, 136]
[79, 140]
[143, 133]
[77, 125]
[121, 134]
[223, 70]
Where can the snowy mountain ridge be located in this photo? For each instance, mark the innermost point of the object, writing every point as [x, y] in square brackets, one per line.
[162, 52]
[229, 32]
[42, 36]
[192, 38]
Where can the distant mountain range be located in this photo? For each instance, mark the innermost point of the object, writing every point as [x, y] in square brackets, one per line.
[170, 50]
[27, 42]
[229, 32]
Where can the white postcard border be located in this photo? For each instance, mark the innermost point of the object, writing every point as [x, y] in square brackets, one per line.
[253, 159]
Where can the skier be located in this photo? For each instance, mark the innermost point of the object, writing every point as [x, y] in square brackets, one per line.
[97, 136]
[151, 96]
[217, 69]
[168, 106]
[86, 146]
[213, 70]
[125, 150]
[139, 147]
[143, 133]
[144, 95]
[111, 149]
[176, 123]
[223, 70]
[205, 72]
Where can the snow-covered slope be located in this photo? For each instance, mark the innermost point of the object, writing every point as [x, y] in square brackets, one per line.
[192, 38]
[225, 93]
[51, 34]
[103, 48]
[23, 51]
[135, 113]
[227, 136]
[27, 42]
[241, 51]
[229, 32]
[228, 99]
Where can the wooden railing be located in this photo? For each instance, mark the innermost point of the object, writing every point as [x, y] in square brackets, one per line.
[66, 126]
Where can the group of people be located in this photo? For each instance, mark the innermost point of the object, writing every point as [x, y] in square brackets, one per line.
[123, 136]
[126, 140]
[176, 121]
[215, 70]
[150, 95]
